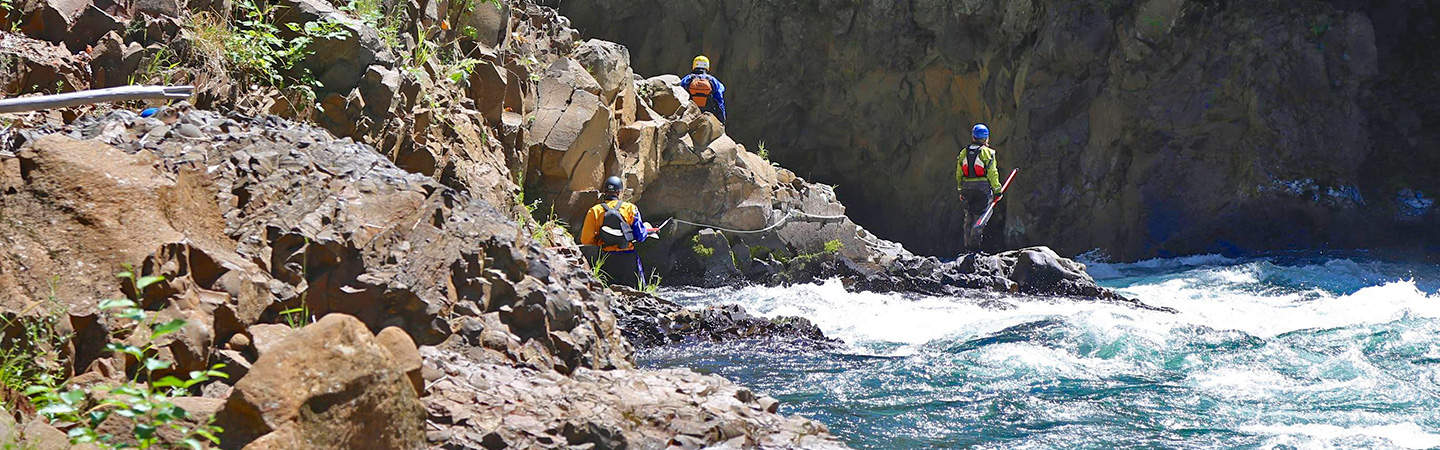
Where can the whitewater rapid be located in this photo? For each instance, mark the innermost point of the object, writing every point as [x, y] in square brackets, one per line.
[1271, 352]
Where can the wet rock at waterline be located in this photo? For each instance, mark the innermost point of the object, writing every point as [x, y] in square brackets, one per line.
[650, 321]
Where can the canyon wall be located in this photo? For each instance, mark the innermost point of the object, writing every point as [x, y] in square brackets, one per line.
[1141, 128]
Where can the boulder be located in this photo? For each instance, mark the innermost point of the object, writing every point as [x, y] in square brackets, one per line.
[379, 88]
[38, 435]
[51, 20]
[649, 321]
[159, 8]
[665, 96]
[609, 63]
[484, 405]
[114, 61]
[404, 354]
[572, 128]
[8, 436]
[488, 87]
[329, 385]
[1040, 270]
[712, 251]
[91, 24]
[337, 62]
[32, 66]
[491, 22]
[265, 337]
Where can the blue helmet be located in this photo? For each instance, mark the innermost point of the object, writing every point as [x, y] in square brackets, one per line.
[980, 131]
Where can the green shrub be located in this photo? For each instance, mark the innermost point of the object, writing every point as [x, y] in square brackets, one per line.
[833, 246]
[145, 401]
[31, 355]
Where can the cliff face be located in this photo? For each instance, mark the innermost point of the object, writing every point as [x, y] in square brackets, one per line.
[1141, 127]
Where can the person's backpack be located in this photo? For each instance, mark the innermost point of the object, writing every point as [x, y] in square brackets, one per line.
[700, 90]
[973, 167]
[613, 229]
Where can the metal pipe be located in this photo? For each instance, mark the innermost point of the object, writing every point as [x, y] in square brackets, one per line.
[115, 94]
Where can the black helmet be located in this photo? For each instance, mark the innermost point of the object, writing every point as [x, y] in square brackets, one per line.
[613, 185]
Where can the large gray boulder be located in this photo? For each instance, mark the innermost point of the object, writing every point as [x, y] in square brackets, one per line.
[609, 63]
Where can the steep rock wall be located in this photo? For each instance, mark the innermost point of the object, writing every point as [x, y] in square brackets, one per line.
[1142, 127]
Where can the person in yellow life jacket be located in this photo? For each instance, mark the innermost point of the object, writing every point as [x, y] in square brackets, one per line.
[615, 226]
[705, 90]
[978, 180]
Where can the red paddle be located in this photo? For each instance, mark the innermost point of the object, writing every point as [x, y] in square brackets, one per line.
[990, 210]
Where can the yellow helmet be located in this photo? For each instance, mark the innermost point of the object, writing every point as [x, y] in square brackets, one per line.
[701, 62]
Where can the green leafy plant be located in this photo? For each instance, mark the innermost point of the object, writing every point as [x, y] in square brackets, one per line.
[297, 318]
[833, 246]
[597, 268]
[373, 14]
[545, 231]
[158, 68]
[11, 11]
[145, 401]
[700, 249]
[762, 151]
[27, 359]
[461, 70]
[651, 285]
[253, 45]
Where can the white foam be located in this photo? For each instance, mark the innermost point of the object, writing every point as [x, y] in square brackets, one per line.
[1405, 434]
[1102, 270]
[1213, 305]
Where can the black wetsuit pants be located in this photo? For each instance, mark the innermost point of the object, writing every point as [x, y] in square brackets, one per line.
[976, 196]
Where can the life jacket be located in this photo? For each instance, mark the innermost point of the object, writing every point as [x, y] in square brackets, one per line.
[972, 166]
[613, 229]
[700, 90]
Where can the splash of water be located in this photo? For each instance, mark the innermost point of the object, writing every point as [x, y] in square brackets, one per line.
[1263, 353]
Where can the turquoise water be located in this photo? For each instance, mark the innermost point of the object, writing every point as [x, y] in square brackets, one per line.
[1279, 352]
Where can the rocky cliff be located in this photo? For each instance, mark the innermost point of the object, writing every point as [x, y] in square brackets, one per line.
[372, 235]
[1142, 127]
[422, 297]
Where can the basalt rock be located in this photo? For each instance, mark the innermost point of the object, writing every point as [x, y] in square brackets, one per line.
[330, 385]
[32, 66]
[249, 219]
[650, 321]
[1141, 127]
[482, 405]
[274, 214]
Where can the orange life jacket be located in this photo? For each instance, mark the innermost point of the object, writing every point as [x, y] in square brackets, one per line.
[700, 90]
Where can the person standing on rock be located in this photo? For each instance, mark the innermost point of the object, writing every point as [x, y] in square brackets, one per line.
[705, 90]
[978, 180]
[615, 226]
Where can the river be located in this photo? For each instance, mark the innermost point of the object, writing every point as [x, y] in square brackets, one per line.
[1270, 352]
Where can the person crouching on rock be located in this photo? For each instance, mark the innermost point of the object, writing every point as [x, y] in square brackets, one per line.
[615, 226]
[979, 182]
[705, 90]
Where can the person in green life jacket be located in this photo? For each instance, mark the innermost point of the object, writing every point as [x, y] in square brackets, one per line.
[978, 180]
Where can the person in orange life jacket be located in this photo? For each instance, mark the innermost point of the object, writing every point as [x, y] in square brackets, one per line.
[978, 179]
[615, 226]
[705, 90]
